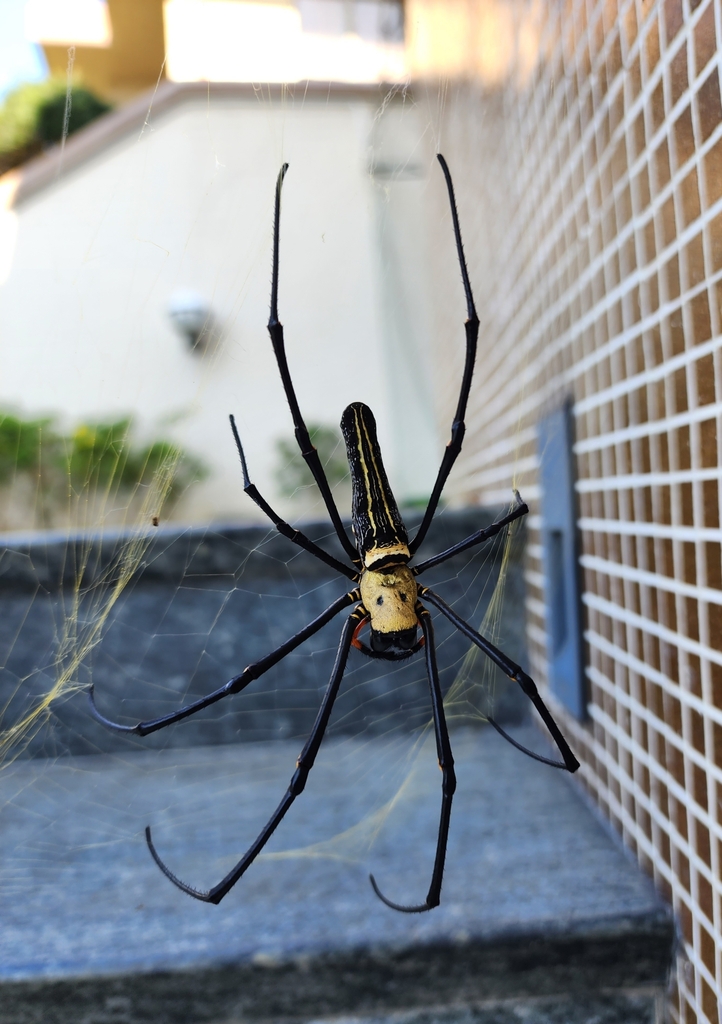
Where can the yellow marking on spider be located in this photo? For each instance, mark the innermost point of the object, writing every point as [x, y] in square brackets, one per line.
[401, 551]
[378, 475]
[364, 467]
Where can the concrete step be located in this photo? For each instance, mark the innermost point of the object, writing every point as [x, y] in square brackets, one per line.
[101, 1006]
[543, 916]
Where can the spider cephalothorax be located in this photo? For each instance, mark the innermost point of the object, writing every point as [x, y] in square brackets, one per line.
[389, 597]
[386, 595]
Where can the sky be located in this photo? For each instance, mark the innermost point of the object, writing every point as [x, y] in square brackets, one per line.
[20, 61]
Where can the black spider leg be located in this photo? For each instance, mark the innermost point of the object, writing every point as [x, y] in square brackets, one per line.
[519, 510]
[309, 453]
[303, 767]
[471, 328]
[515, 672]
[288, 531]
[448, 784]
[236, 684]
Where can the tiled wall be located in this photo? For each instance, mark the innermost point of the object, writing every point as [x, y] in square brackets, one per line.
[589, 179]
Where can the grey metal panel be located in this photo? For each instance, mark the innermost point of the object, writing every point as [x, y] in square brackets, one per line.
[561, 563]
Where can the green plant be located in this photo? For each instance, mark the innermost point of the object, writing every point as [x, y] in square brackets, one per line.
[33, 116]
[103, 454]
[94, 456]
[292, 473]
[85, 106]
[22, 443]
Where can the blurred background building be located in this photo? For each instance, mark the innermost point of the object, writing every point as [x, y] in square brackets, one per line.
[124, 46]
[162, 210]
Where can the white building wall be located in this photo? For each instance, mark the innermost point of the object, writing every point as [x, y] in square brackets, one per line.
[334, 40]
[187, 204]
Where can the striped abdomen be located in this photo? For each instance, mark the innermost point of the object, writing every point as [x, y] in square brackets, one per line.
[379, 530]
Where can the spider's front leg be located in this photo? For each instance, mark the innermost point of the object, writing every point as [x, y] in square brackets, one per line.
[275, 330]
[298, 782]
[283, 527]
[471, 329]
[520, 509]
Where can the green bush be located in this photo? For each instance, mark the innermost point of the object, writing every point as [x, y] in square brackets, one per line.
[33, 115]
[94, 455]
[103, 453]
[84, 108]
[22, 443]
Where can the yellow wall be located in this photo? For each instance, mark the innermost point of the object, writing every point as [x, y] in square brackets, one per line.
[133, 61]
[486, 40]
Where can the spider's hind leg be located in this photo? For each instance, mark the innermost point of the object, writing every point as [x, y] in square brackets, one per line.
[253, 671]
[515, 672]
[448, 784]
[304, 765]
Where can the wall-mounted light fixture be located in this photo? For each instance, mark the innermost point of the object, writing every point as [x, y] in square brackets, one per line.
[192, 318]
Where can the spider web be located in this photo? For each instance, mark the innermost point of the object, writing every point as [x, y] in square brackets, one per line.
[154, 617]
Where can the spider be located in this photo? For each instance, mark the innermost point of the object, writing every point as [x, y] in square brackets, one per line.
[386, 594]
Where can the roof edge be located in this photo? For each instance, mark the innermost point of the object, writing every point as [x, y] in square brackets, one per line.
[56, 163]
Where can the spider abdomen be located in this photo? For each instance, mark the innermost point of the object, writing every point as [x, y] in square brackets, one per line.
[379, 530]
